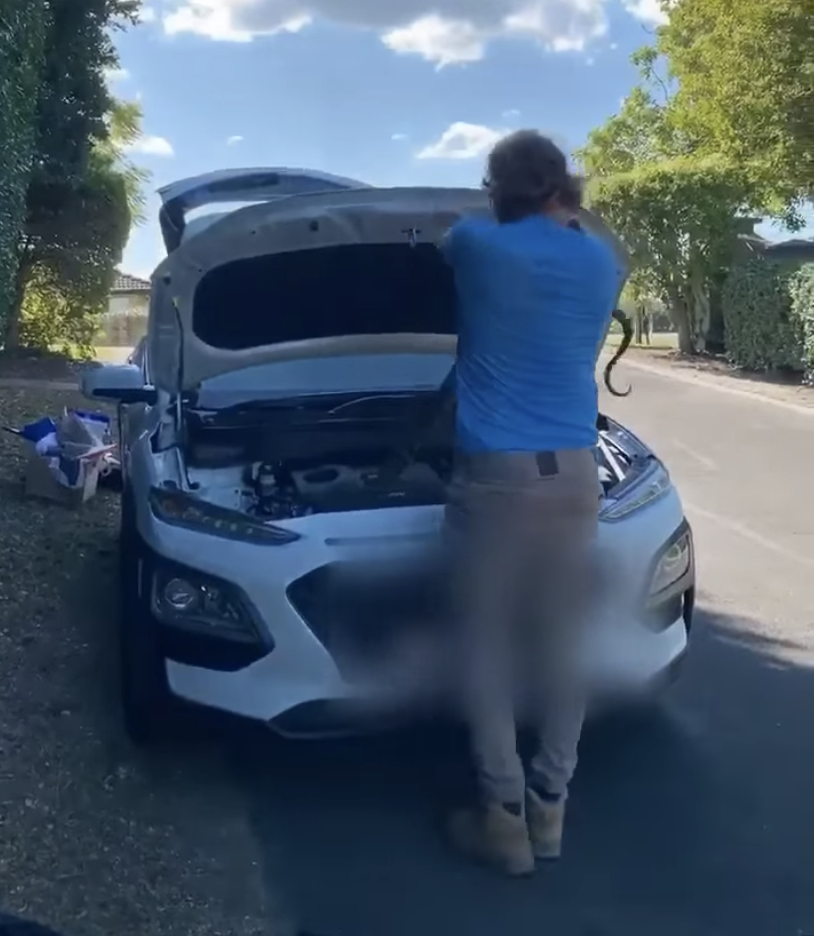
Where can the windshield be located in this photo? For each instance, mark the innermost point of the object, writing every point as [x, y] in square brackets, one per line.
[362, 373]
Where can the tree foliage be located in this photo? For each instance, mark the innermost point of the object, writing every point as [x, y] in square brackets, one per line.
[22, 32]
[71, 255]
[678, 219]
[79, 191]
[639, 133]
[123, 130]
[802, 311]
[761, 332]
[718, 129]
[73, 98]
[744, 75]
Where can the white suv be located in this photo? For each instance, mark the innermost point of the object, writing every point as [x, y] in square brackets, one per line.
[269, 568]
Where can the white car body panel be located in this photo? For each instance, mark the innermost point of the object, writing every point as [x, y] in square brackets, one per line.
[621, 655]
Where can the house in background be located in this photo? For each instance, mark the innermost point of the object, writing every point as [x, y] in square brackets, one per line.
[125, 321]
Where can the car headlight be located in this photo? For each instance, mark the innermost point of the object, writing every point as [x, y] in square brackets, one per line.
[182, 510]
[197, 603]
[652, 485]
[673, 565]
[191, 601]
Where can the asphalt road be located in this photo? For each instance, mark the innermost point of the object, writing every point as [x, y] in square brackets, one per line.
[698, 820]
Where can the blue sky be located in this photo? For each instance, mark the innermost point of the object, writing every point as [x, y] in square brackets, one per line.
[392, 92]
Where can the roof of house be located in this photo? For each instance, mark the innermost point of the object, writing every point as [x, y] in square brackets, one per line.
[124, 283]
[795, 245]
[795, 249]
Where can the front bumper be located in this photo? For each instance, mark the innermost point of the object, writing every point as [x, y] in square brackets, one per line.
[301, 685]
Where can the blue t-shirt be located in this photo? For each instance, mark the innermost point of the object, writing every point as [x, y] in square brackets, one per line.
[534, 302]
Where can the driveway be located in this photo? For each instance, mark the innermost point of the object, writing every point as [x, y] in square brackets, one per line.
[697, 819]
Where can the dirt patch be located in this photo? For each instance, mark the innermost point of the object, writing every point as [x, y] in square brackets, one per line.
[94, 837]
[39, 365]
[779, 386]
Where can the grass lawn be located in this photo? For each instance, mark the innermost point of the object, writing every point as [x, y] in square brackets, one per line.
[112, 355]
[96, 839]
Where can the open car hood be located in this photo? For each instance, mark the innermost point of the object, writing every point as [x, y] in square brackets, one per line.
[401, 217]
[180, 198]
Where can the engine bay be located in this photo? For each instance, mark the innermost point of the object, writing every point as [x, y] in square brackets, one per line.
[339, 483]
[293, 469]
[278, 491]
[335, 483]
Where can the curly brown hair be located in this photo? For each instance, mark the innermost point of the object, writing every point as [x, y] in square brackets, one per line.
[527, 173]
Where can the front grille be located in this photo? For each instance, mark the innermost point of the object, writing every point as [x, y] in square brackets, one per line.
[358, 613]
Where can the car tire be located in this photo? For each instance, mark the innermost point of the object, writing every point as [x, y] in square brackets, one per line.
[146, 702]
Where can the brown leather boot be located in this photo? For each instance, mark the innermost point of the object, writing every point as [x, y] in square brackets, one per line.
[545, 823]
[495, 836]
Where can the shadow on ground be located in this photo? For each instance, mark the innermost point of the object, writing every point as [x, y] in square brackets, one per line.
[687, 819]
[693, 818]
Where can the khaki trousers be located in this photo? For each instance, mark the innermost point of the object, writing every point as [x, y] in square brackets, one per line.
[522, 528]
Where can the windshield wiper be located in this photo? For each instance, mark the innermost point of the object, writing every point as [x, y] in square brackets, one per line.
[374, 398]
[286, 405]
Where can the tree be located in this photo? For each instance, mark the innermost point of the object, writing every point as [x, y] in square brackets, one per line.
[22, 33]
[74, 98]
[71, 254]
[70, 124]
[674, 203]
[71, 258]
[744, 75]
[678, 218]
[123, 130]
[639, 133]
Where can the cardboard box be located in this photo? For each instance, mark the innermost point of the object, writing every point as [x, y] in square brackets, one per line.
[66, 456]
[41, 481]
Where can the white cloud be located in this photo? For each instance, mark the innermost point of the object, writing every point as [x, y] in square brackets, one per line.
[650, 11]
[234, 140]
[461, 141]
[147, 14]
[235, 20]
[398, 137]
[561, 25]
[115, 75]
[441, 31]
[443, 41]
[152, 146]
[511, 114]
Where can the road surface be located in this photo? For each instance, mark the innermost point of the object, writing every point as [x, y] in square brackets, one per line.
[699, 821]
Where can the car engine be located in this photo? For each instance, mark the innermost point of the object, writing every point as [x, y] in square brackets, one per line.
[278, 491]
[338, 465]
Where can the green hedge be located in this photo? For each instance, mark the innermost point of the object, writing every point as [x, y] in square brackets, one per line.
[761, 330]
[802, 313]
[22, 30]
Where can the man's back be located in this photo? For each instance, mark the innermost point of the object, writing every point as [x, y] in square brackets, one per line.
[535, 298]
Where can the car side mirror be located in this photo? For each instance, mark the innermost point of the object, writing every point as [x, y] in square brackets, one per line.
[123, 383]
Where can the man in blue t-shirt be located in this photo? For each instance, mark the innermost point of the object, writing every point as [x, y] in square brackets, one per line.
[535, 296]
